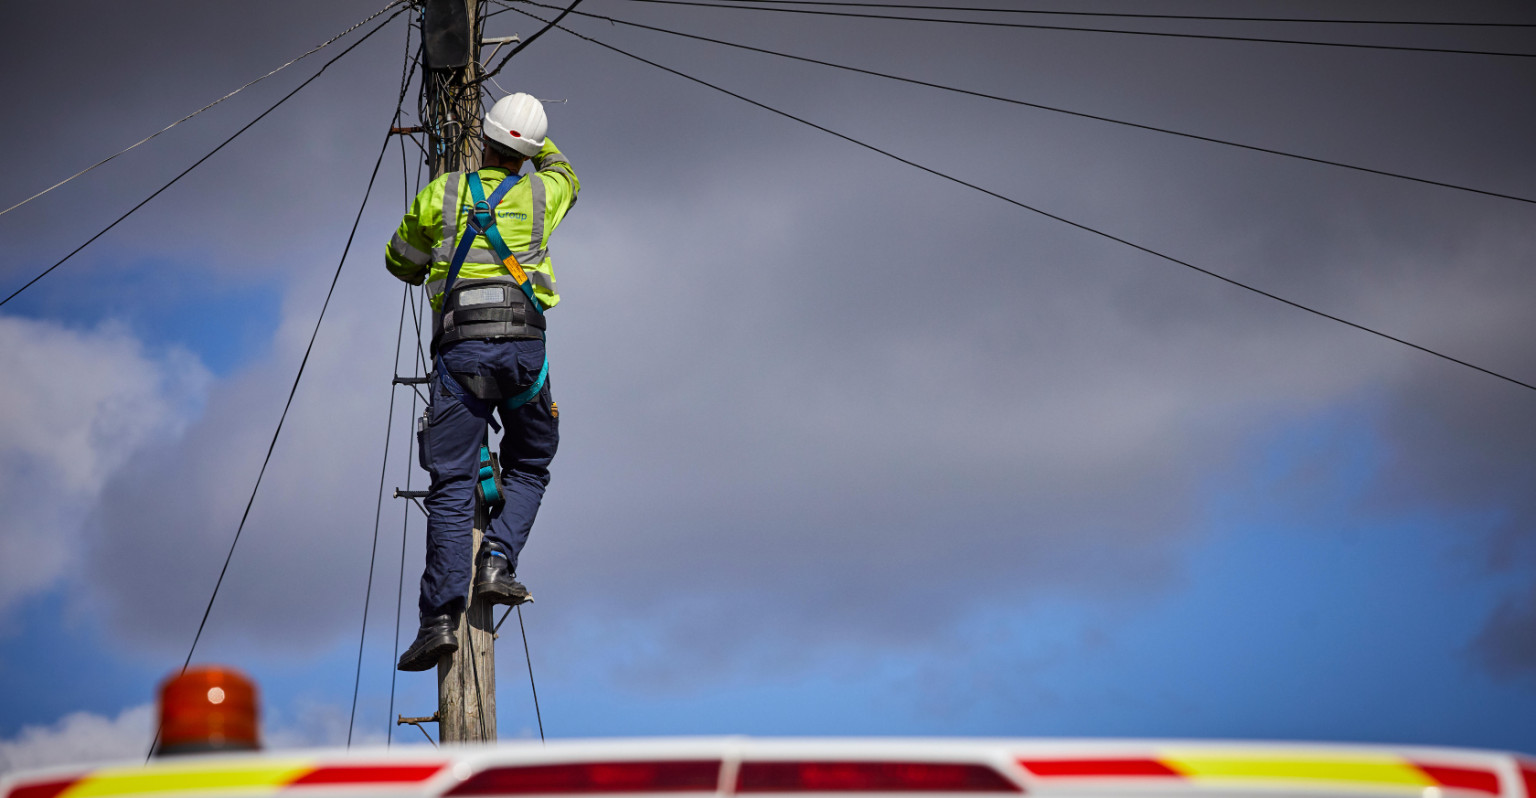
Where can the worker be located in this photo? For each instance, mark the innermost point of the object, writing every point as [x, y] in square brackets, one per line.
[480, 242]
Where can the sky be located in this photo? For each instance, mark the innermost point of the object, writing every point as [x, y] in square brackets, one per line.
[847, 448]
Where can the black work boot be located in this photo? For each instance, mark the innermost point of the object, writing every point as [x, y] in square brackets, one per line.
[439, 635]
[493, 579]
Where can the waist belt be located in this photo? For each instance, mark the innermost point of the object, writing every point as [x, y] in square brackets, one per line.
[486, 308]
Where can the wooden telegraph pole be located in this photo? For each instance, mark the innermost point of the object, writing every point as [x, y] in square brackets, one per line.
[466, 679]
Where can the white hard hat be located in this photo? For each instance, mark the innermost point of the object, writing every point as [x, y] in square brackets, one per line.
[517, 121]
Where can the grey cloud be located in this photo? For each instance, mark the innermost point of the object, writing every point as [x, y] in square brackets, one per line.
[164, 526]
[803, 385]
[67, 428]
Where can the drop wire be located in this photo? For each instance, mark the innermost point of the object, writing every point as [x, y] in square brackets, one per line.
[1049, 215]
[1123, 15]
[1036, 26]
[272, 446]
[1054, 109]
[317, 48]
[200, 161]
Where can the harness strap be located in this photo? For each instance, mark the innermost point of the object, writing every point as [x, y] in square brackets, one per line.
[508, 260]
[482, 221]
[482, 215]
[493, 235]
[473, 385]
[462, 392]
[533, 390]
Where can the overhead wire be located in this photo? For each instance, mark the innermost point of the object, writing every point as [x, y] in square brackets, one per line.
[522, 45]
[421, 353]
[1037, 26]
[407, 71]
[389, 725]
[405, 523]
[474, 672]
[1125, 15]
[498, 86]
[199, 161]
[415, 315]
[535, 688]
[1040, 106]
[1049, 215]
[528, 657]
[292, 391]
[418, 365]
[405, 511]
[299, 376]
[378, 510]
[317, 48]
[405, 520]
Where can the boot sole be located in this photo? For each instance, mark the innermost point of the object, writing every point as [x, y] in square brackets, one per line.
[428, 657]
[497, 595]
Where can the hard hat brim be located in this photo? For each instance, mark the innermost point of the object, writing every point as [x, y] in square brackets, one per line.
[523, 146]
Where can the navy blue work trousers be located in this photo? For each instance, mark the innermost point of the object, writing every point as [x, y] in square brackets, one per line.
[456, 423]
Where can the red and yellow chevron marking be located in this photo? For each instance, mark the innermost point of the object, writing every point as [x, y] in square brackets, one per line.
[227, 778]
[1314, 769]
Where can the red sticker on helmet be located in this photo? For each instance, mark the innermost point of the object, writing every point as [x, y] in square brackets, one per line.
[515, 134]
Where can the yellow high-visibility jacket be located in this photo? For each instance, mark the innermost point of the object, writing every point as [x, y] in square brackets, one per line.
[422, 248]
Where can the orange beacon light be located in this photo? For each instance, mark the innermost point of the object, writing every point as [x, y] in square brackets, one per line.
[205, 709]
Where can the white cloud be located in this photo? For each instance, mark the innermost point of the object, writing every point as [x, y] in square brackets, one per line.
[77, 405]
[315, 724]
[81, 738]
[163, 528]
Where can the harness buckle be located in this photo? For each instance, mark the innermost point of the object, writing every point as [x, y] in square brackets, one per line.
[481, 218]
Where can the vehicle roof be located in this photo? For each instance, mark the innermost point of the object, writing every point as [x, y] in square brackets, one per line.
[1080, 768]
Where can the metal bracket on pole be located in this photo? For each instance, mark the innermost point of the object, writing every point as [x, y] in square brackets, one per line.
[498, 41]
[404, 721]
[415, 496]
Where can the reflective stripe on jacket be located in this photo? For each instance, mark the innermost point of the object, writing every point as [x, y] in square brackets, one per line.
[422, 248]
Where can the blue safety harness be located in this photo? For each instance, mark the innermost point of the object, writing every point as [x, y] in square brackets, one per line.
[482, 222]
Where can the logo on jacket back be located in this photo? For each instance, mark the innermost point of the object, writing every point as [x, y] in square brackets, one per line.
[500, 213]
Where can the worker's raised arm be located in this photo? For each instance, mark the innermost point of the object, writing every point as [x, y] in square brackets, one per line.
[560, 182]
[409, 255]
